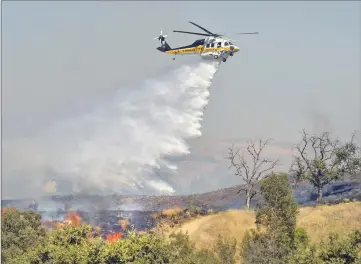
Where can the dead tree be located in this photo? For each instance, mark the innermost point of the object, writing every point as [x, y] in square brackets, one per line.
[252, 171]
[321, 160]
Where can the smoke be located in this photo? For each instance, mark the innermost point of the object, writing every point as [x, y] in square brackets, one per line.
[320, 121]
[116, 146]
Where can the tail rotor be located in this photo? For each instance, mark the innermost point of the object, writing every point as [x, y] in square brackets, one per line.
[161, 37]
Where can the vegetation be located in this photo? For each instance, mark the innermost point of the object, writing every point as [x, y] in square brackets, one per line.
[83, 244]
[274, 239]
[278, 231]
[273, 225]
[175, 217]
[19, 232]
[321, 160]
[255, 170]
[317, 221]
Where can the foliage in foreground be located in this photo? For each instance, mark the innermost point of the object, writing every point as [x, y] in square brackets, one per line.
[277, 240]
[82, 244]
[19, 232]
[274, 239]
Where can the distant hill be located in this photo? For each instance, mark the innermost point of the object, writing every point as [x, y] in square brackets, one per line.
[222, 199]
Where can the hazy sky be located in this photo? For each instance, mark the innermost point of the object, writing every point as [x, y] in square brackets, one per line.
[304, 66]
[301, 71]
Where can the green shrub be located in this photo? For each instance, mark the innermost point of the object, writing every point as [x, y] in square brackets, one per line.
[20, 231]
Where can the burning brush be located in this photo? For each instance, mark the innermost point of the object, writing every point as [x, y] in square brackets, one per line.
[73, 218]
[114, 237]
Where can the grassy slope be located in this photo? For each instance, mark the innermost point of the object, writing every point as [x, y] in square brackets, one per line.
[318, 221]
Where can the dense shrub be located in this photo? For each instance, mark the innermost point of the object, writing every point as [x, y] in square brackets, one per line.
[24, 240]
[274, 239]
[19, 232]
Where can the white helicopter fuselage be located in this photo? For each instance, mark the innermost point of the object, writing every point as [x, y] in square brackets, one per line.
[208, 48]
[214, 46]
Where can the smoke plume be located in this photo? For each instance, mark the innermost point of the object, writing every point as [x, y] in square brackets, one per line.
[116, 146]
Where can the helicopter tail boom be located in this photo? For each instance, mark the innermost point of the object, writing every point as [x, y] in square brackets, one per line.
[164, 47]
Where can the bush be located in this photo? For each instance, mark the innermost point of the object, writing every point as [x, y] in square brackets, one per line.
[20, 231]
[226, 249]
[24, 241]
[337, 251]
[274, 239]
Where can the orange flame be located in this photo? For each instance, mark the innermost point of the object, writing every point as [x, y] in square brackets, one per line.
[114, 237]
[59, 225]
[7, 210]
[124, 223]
[98, 229]
[73, 219]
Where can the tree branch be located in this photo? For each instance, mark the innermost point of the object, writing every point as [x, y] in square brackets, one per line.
[251, 172]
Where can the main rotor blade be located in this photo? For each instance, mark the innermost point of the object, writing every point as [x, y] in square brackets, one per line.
[205, 30]
[193, 33]
[247, 33]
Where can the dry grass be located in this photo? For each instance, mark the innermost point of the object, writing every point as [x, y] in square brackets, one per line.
[232, 223]
[321, 220]
[317, 221]
[172, 211]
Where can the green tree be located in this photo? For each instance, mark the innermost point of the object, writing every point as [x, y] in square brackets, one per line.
[333, 251]
[274, 240]
[349, 158]
[226, 249]
[321, 160]
[68, 244]
[337, 251]
[72, 245]
[251, 166]
[20, 231]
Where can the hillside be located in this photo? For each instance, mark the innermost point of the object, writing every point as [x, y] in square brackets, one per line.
[222, 199]
[106, 211]
[318, 221]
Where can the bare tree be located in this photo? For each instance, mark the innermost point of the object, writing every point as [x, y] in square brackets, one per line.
[251, 171]
[321, 160]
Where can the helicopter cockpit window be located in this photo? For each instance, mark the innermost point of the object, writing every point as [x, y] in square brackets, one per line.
[198, 42]
[230, 43]
[219, 44]
[226, 44]
[212, 45]
[207, 46]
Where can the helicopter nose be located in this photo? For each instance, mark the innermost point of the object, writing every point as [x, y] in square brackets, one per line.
[236, 49]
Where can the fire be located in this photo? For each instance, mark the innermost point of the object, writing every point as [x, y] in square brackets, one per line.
[7, 210]
[72, 219]
[59, 224]
[114, 237]
[98, 229]
[124, 223]
[50, 186]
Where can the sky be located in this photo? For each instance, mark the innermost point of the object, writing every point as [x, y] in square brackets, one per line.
[301, 71]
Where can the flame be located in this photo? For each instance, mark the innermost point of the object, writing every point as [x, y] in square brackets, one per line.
[98, 229]
[72, 219]
[114, 237]
[7, 210]
[50, 186]
[124, 223]
[59, 225]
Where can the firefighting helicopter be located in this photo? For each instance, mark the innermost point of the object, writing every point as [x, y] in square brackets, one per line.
[214, 46]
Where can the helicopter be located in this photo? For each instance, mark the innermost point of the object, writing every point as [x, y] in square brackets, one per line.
[214, 46]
